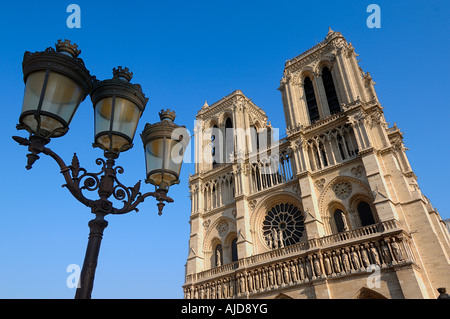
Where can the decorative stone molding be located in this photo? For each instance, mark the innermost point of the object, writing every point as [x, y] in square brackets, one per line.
[342, 190]
[252, 204]
[320, 183]
[222, 228]
[358, 171]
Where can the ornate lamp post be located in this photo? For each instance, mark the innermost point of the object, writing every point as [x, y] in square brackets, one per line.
[56, 83]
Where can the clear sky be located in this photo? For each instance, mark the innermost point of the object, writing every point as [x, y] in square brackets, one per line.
[183, 53]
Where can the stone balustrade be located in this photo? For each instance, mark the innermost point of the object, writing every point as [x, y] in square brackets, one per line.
[381, 245]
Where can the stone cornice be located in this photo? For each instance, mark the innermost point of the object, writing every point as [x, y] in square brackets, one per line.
[273, 189]
[228, 102]
[334, 120]
[315, 52]
[331, 168]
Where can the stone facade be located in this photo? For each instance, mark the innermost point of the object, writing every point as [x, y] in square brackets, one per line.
[332, 210]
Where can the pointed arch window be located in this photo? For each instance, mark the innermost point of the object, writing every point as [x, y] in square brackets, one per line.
[330, 91]
[254, 138]
[234, 251]
[341, 146]
[365, 214]
[229, 140]
[323, 153]
[311, 102]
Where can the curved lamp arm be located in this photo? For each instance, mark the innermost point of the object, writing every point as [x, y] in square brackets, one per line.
[159, 194]
[72, 182]
[105, 181]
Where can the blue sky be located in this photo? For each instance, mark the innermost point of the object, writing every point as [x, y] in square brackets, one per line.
[183, 53]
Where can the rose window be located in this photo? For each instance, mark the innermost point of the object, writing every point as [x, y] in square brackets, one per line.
[283, 226]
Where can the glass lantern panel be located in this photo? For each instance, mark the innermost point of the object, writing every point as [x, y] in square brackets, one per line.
[126, 117]
[33, 90]
[61, 98]
[103, 115]
[156, 156]
[174, 156]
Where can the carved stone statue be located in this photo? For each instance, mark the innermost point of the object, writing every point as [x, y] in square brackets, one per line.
[327, 264]
[317, 267]
[336, 264]
[365, 257]
[264, 278]
[345, 262]
[386, 253]
[275, 239]
[375, 256]
[278, 275]
[188, 293]
[308, 267]
[286, 274]
[218, 258]
[225, 288]
[280, 236]
[232, 282]
[269, 240]
[213, 291]
[396, 251]
[219, 289]
[293, 270]
[242, 283]
[257, 279]
[271, 277]
[344, 221]
[355, 259]
[250, 281]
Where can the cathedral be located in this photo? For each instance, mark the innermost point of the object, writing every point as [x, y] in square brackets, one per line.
[332, 209]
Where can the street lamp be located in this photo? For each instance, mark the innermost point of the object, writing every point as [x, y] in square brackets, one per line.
[164, 145]
[118, 105]
[56, 82]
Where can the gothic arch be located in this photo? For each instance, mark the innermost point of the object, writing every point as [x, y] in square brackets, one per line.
[353, 208]
[334, 206]
[211, 122]
[308, 71]
[218, 231]
[228, 247]
[366, 293]
[341, 190]
[210, 254]
[223, 117]
[326, 62]
[259, 213]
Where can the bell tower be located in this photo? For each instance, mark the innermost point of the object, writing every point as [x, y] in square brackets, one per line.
[227, 132]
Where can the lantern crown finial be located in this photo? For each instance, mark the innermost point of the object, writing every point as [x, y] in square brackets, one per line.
[123, 73]
[67, 47]
[167, 114]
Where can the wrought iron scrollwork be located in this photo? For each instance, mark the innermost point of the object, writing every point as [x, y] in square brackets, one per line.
[105, 181]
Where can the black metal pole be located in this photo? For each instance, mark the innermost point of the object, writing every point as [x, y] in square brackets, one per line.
[86, 282]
